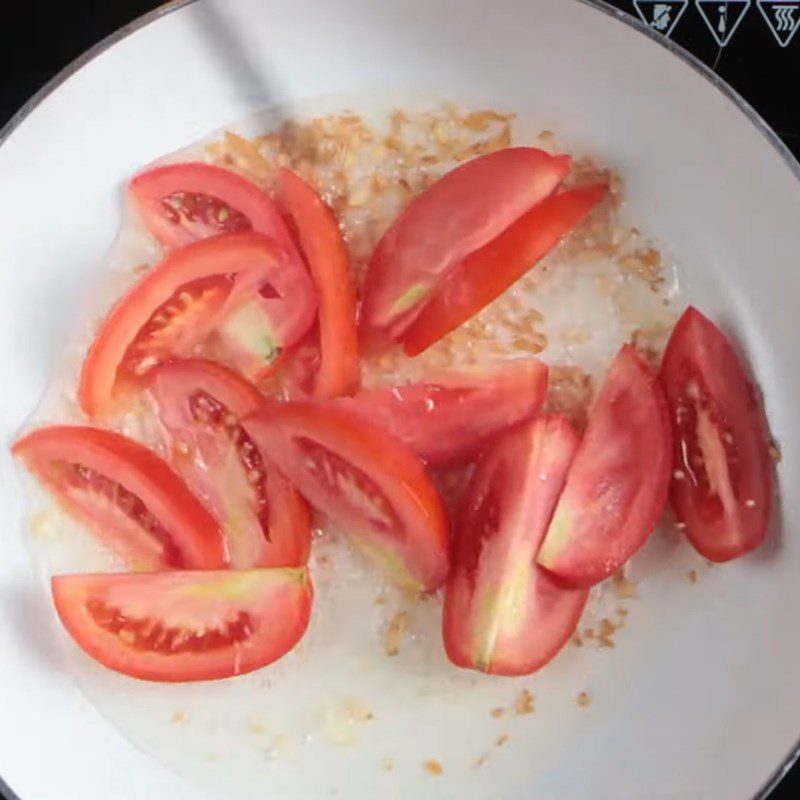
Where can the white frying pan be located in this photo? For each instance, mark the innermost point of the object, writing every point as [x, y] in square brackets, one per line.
[700, 698]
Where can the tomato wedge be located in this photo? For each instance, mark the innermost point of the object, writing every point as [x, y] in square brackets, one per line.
[463, 211]
[200, 406]
[487, 273]
[127, 496]
[617, 486]
[723, 481]
[326, 254]
[448, 420]
[181, 203]
[185, 626]
[295, 374]
[229, 284]
[369, 484]
[502, 613]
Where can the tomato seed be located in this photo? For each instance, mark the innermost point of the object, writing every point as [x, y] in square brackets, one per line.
[127, 637]
[199, 211]
[193, 303]
[355, 486]
[208, 410]
[84, 478]
[152, 635]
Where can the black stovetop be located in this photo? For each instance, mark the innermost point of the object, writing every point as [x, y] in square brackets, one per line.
[751, 44]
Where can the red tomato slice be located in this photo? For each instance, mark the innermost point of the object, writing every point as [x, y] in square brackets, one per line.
[229, 281]
[326, 254]
[200, 406]
[617, 486]
[128, 497]
[181, 203]
[186, 626]
[487, 273]
[448, 420]
[502, 613]
[295, 375]
[369, 484]
[723, 482]
[463, 211]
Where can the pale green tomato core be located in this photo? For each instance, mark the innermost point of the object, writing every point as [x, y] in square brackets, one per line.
[242, 584]
[412, 296]
[250, 329]
[557, 535]
[387, 559]
[501, 612]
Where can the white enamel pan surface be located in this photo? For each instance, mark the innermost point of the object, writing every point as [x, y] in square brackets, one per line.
[701, 699]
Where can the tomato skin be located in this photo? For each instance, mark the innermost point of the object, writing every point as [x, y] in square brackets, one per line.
[237, 264]
[195, 540]
[326, 254]
[448, 420]
[206, 453]
[485, 274]
[369, 484]
[176, 623]
[617, 485]
[257, 212]
[722, 438]
[463, 211]
[503, 614]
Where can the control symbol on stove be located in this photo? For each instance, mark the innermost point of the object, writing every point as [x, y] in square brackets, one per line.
[723, 17]
[661, 15]
[782, 17]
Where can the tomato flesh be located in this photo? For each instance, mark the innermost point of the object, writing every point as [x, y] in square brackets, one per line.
[175, 327]
[321, 241]
[723, 479]
[295, 376]
[201, 216]
[463, 211]
[485, 274]
[448, 420]
[185, 626]
[200, 406]
[366, 482]
[617, 485]
[194, 292]
[126, 495]
[503, 614]
[181, 203]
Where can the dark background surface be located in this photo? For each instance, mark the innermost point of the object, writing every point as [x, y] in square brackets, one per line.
[38, 38]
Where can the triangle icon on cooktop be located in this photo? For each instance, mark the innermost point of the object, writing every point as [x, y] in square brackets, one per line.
[661, 15]
[723, 17]
[782, 17]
